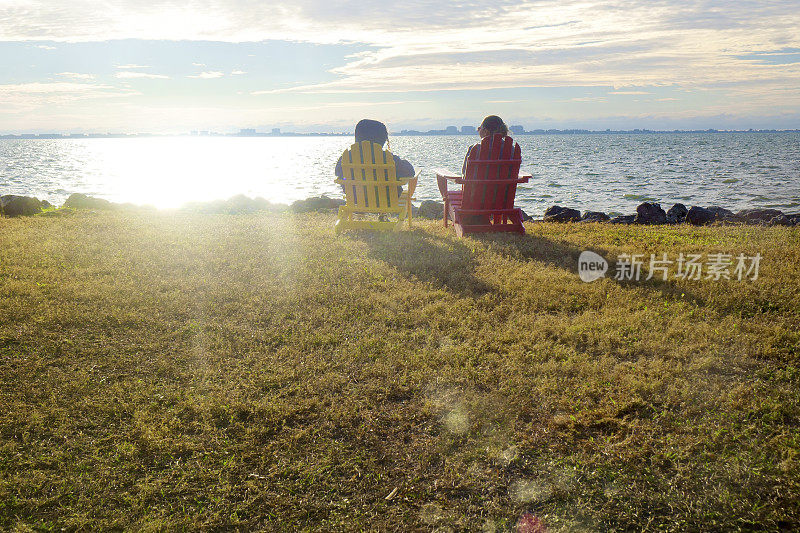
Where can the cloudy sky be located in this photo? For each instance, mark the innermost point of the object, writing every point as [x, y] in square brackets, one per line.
[320, 65]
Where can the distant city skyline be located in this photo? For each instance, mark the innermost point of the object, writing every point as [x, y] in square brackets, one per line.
[312, 66]
[449, 130]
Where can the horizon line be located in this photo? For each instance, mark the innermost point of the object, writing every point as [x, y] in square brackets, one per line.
[402, 133]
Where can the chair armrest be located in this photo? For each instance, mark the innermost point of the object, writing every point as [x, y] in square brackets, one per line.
[504, 182]
[441, 180]
[524, 178]
[412, 184]
[446, 174]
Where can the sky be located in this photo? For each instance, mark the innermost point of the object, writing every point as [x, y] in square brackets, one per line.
[321, 65]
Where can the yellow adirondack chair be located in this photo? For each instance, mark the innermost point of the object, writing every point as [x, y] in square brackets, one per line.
[370, 187]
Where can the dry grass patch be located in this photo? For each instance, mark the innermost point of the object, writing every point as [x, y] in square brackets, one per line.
[167, 371]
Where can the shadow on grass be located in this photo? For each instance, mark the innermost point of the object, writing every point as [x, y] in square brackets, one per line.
[565, 256]
[444, 263]
[449, 263]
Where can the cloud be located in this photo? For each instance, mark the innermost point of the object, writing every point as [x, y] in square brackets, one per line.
[76, 76]
[341, 105]
[208, 75]
[132, 66]
[27, 96]
[46, 47]
[630, 92]
[127, 75]
[237, 72]
[49, 88]
[419, 45]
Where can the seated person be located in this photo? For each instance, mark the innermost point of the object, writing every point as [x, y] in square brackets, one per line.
[490, 125]
[374, 131]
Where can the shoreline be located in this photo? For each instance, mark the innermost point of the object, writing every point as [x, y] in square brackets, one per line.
[647, 213]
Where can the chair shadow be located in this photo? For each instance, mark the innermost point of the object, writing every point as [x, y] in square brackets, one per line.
[565, 256]
[444, 263]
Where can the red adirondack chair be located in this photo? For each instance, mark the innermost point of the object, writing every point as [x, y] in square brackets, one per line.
[486, 200]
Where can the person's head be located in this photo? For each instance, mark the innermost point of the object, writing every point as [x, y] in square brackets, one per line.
[491, 125]
[371, 130]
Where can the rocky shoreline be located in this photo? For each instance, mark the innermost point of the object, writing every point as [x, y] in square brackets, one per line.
[647, 213]
[12, 205]
[650, 213]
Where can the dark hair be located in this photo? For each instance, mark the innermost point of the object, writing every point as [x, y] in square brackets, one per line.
[371, 130]
[494, 124]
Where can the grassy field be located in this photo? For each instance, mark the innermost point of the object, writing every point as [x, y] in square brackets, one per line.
[183, 371]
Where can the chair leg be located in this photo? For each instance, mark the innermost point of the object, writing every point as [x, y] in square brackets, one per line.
[446, 209]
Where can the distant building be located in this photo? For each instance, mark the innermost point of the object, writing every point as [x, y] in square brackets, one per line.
[451, 130]
[518, 130]
[468, 130]
[276, 131]
[247, 131]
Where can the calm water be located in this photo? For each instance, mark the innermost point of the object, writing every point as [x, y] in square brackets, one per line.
[612, 173]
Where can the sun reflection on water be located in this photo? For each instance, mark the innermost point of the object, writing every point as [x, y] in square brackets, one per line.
[172, 171]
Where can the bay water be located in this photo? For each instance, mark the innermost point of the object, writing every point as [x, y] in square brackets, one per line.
[605, 172]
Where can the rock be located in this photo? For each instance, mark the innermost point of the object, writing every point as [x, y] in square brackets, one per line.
[677, 214]
[699, 216]
[724, 215]
[241, 204]
[594, 216]
[319, 203]
[525, 216]
[16, 206]
[430, 209]
[622, 219]
[561, 214]
[720, 211]
[795, 218]
[758, 216]
[781, 220]
[236, 205]
[650, 213]
[82, 201]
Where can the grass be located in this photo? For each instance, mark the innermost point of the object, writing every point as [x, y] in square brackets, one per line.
[186, 371]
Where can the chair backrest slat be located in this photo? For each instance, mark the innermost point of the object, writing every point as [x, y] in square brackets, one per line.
[367, 166]
[498, 158]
